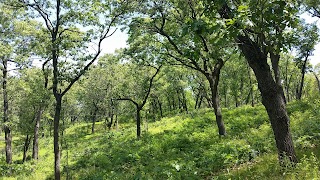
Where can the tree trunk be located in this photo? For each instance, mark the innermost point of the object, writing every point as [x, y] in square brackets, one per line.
[288, 90]
[213, 79]
[160, 107]
[275, 58]
[35, 150]
[303, 71]
[111, 119]
[94, 116]
[236, 99]
[138, 118]
[25, 148]
[56, 137]
[318, 80]
[7, 130]
[117, 123]
[272, 98]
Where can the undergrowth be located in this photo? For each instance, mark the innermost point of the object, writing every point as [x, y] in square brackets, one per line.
[186, 146]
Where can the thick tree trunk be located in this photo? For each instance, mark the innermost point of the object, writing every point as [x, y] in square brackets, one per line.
[56, 137]
[275, 58]
[7, 130]
[35, 150]
[272, 98]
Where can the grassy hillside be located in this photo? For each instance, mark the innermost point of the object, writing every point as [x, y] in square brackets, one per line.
[186, 146]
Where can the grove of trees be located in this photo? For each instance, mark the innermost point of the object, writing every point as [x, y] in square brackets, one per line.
[181, 56]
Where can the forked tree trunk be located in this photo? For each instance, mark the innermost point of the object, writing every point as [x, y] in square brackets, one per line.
[275, 58]
[35, 149]
[272, 98]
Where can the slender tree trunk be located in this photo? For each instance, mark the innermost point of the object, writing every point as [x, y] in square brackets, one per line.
[197, 100]
[303, 72]
[117, 123]
[236, 99]
[160, 107]
[138, 121]
[213, 82]
[272, 98]
[318, 80]
[94, 117]
[56, 137]
[286, 80]
[111, 119]
[200, 101]
[25, 148]
[7, 130]
[35, 149]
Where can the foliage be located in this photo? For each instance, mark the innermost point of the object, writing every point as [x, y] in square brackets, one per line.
[186, 147]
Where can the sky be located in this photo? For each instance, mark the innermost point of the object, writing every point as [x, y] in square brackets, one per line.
[118, 40]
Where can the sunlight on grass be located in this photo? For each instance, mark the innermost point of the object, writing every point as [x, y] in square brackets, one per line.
[180, 147]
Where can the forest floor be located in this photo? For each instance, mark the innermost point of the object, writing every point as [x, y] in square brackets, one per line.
[185, 146]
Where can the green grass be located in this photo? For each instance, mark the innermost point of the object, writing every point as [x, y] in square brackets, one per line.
[186, 146]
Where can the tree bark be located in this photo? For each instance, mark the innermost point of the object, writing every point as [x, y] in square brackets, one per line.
[35, 150]
[272, 98]
[7, 130]
[160, 107]
[94, 116]
[56, 137]
[138, 121]
[303, 72]
[213, 79]
[275, 58]
[25, 148]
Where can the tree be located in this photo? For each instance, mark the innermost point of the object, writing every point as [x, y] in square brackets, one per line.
[17, 37]
[312, 7]
[259, 35]
[308, 37]
[68, 50]
[101, 80]
[33, 103]
[142, 87]
[188, 38]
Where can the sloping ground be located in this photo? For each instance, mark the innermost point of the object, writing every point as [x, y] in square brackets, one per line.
[186, 146]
